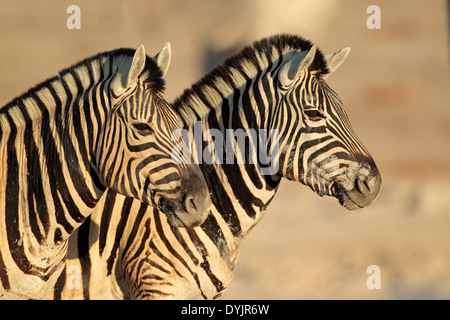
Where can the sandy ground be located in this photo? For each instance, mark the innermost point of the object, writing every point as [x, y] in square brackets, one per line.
[395, 85]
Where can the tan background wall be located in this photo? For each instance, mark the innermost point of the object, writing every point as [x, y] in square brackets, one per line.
[395, 85]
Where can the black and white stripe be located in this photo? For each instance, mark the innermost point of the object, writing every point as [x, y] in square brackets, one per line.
[128, 250]
[99, 124]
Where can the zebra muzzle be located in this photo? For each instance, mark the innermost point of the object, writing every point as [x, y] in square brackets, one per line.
[192, 206]
[359, 187]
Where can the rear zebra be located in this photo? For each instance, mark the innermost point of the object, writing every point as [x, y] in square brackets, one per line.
[128, 250]
[99, 124]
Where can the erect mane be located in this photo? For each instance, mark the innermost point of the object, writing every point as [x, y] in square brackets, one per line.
[209, 92]
[152, 74]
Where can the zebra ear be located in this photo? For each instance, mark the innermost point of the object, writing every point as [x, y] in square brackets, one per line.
[128, 73]
[163, 58]
[299, 62]
[137, 66]
[334, 60]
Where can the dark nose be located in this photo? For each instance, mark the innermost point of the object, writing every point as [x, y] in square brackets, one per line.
[195, 199]
[196, 192]
[361, 185]
[368, 186]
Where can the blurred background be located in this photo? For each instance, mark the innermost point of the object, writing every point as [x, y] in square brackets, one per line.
[396, 88]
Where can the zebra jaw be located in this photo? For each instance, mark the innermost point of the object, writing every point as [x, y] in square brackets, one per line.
[180, 218]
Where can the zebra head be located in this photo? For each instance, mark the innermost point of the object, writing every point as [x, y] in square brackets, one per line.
[322, 151]
[134, 155]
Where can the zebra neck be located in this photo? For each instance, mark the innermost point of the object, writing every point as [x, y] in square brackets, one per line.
[74, 126]
[241, 94]
[47, 134]
[240, 187]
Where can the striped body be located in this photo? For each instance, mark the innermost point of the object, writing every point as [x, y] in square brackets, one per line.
[128, 250]
[100, 123]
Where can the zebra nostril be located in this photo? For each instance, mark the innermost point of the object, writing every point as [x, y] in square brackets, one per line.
[368, 185]
[361, 184]
[188, 204]
[191, 200]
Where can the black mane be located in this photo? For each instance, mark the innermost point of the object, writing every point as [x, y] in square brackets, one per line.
[152, 74]
[281, 44]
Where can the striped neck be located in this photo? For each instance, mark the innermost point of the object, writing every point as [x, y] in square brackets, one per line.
[52, 129]
[242, 94]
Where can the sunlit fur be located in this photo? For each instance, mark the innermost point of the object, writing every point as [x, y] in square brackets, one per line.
[128, 250]
[62, 143]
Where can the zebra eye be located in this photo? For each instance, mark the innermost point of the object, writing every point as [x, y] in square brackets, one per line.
[314, 115]
[143, 128]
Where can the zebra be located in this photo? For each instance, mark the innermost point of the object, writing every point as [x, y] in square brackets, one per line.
[127, 250]
[101, 123]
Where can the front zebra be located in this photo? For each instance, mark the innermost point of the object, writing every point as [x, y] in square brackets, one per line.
[128, 250]
[99, 124]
